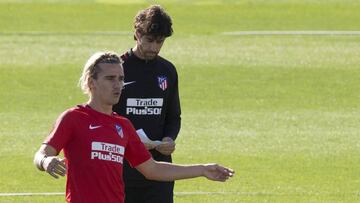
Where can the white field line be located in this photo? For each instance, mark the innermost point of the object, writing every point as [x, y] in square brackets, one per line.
[68, 33]
[295, 32]
[176, 193]
[205, 193]
[235, 33]
[187, 194]
[31, 194]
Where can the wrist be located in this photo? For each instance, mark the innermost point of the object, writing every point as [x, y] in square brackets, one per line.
[40, 164]
[203, 170]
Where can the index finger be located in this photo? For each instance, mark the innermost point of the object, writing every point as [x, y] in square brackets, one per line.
[226, 170]
[62, 163]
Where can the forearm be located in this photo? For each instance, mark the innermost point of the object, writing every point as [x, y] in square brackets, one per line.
[164, 171]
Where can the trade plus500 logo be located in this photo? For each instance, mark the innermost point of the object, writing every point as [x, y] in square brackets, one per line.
[107, 152]
[149, 106]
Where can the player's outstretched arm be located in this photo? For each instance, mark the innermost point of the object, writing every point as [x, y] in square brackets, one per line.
[163, 171]
[46, 160]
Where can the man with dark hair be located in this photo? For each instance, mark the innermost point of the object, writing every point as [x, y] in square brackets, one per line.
[96, 141]
[150, 100]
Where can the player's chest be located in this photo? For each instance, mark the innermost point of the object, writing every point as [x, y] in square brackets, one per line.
[95, 133]
[147, 82]
[98, 141]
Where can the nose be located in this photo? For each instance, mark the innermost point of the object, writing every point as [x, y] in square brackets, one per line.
[118, 85]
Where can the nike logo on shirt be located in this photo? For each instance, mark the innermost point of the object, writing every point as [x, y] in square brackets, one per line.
[128, 83]
[92, 127]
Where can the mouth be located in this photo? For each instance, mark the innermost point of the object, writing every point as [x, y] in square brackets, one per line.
[117, 94]
[151, 54]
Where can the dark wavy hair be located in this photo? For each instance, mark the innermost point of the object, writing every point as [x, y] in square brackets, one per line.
[153, 21]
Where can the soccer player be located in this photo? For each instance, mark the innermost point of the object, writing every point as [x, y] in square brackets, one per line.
[95, 141]
[150, 100]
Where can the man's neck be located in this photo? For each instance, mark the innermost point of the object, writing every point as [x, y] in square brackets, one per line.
[105, 109]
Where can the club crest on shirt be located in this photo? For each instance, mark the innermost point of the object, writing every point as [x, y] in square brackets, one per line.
[162, 81]
[119, 131]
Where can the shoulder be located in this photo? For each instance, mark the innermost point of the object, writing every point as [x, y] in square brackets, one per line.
[78, 110]
[68, 117]
[125, 56]
[73, 113]
[167, 67]
[166, 63]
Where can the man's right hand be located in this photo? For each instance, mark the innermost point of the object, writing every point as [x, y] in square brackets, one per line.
[54, 166]
[149, 146]
[167, 147]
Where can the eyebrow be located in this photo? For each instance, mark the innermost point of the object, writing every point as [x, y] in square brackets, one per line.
[155, 38]
[114, 76]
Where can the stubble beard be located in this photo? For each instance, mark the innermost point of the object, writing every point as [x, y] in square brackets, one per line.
[147, 56]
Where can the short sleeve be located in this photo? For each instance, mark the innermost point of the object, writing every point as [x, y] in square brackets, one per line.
[135, 152]
[61, 132]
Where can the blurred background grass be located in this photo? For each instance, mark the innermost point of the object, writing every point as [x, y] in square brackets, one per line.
[282, 111]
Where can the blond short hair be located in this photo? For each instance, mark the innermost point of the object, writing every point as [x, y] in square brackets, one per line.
[91, 68]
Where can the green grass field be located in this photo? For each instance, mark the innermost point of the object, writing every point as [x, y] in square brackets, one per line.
[283, 111]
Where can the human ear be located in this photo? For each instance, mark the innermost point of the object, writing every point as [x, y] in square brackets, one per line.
[137, 36]
[90, 83]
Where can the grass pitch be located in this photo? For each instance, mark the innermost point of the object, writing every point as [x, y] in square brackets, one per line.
[282, 111]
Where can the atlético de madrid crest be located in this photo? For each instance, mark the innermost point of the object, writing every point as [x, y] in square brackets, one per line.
[162, 81]
[119, 131]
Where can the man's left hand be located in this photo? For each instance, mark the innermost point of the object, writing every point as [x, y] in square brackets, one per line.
[167, 147]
